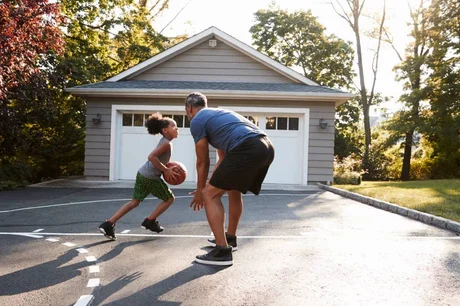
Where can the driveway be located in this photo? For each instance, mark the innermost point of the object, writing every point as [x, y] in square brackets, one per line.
[308, 247]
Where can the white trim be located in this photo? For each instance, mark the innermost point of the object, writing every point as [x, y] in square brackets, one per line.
[338, 98]
[115, 133]
[200, 37]
[284, 110]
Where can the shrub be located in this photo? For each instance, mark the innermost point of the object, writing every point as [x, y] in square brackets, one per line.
[348, 178]
[348, 170]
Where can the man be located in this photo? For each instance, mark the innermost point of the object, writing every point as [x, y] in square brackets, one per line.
[245, 154]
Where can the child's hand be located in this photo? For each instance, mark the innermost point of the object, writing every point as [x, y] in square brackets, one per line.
[170, 174]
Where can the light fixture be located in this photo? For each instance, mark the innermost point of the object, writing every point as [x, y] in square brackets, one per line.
[97, 119]
[322, 123]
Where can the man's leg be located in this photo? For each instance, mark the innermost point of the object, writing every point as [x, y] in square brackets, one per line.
[215, 212]
[235, 209]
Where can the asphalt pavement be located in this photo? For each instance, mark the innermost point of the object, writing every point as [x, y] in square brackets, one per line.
[307, 247]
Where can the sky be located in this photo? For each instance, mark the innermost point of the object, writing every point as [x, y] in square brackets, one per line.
[235, 17]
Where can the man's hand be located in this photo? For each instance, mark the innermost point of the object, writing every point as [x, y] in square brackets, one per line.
[197, 201]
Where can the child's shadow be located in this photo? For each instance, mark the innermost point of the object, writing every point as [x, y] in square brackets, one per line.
[32, 278]
[151, 294]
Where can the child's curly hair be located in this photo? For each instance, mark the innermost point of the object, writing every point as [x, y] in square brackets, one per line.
[156, 123]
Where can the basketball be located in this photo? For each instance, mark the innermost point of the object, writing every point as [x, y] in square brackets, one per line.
[179, 168]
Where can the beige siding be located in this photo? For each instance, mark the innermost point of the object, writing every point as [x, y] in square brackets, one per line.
[220, 64]
[320, 149]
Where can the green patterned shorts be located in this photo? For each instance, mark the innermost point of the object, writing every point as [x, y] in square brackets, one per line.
[144, 186]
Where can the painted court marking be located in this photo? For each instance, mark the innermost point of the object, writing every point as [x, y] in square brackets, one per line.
[69, 244]
[52, 239]
[93, 282]
[38, 230]
[91, 259]
[82, 250]
[125, 231]
[94, 269]
[29, 235]
[84, 300]
[302, 235]
[113, 200]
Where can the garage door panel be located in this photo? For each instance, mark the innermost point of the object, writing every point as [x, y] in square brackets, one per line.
[134, 151]
[135, 145]
[287, 165]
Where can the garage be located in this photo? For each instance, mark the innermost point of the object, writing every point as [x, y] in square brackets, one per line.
[296, 113]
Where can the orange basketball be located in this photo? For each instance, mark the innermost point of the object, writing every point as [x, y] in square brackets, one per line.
[179, 168]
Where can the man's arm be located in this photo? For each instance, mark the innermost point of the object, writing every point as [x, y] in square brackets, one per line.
[202, 162]
[221, 158]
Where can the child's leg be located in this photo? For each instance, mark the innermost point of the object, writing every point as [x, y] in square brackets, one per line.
[161, 208]
[124, 210]
[161, 191]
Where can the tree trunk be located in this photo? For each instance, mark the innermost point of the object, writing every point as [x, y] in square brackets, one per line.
[405, 172]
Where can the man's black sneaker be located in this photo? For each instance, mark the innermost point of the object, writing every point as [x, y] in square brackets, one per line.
[219, 256]
[108, 229]
[231, 240]
[152, 225]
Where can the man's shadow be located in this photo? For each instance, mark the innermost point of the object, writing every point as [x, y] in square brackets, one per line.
[33, 278]
[151, 294]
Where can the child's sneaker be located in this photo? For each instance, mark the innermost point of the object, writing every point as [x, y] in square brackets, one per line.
[108, 229]
[219, 256]
[231, 241]
[152, 225]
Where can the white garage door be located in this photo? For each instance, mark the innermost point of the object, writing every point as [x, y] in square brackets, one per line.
[285, 133]
[135, 144]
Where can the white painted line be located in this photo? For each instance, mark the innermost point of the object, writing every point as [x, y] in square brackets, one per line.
[52, 239]
[82, 250]
[29, 235]
[91, 259]
[125, 231]
[93, 282]
[94, 269]
[84, 300]
[313, 235]
[115, 200]
[38, 230]
[69, 244]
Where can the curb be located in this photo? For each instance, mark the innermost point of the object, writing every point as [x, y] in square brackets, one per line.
[403, 211]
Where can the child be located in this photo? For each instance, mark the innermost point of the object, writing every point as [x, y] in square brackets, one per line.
[148, 178]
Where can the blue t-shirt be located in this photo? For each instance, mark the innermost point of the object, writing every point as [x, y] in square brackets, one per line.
[224, 129]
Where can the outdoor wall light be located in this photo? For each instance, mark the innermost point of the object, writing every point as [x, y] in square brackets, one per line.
[322, 123]
[97, 119]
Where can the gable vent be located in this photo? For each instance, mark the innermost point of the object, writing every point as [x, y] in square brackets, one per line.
[212, 43]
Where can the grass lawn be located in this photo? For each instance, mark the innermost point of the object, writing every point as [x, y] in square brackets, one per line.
[437, 197]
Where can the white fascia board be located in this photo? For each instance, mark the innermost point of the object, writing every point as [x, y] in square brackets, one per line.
[213, 94]
[262, 58]
[163, 56]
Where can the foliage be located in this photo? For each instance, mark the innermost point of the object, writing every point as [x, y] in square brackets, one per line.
[347, 170]
[43, 126]
[443, 88]
[28, 30]
[298, 40]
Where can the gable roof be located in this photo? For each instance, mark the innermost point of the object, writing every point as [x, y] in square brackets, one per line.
[193, 41]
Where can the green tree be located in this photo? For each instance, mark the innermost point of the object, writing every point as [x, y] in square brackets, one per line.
[443, 87]
[298, 40]
[351, 12]
[411, 70]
